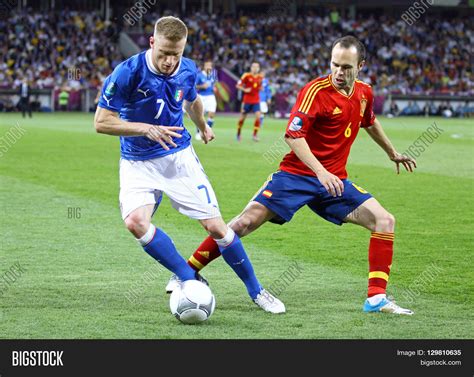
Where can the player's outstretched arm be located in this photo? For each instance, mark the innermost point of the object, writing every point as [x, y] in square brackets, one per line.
[195, 110]
[301, 148]
[109, 122]
[377, 133]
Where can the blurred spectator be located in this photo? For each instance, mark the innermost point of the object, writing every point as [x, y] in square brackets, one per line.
[411, 109]
[429, 108]
[35, 104]
[463, 110]
[63, 99]
[446, 110]
[6, 104]
[393, 111]
[24, 93]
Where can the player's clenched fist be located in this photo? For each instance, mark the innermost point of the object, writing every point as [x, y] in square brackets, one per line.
[163, 135]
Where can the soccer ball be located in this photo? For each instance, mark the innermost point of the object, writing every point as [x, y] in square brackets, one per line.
[193, 302]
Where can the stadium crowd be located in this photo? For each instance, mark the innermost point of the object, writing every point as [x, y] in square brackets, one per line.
[53, 49]
[431, 56]
[79, 49]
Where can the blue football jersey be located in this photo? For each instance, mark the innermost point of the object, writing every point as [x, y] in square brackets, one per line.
[265, 92]
[203, 78]
[139, 93]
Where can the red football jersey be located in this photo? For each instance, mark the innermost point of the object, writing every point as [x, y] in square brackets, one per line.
[329, 121]
[253, 82]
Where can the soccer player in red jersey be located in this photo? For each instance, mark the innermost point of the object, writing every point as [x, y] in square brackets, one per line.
[250, 83]
[324, 122]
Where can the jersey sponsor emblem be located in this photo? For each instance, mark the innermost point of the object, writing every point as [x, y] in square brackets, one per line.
[296, 124]
[363, 105]
[106, 99]
[336, 111]
[267, 193]
[111, 89]
[178, 95]
[144, 92]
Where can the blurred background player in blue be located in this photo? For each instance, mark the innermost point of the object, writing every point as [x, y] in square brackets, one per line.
[265, 97]
[205, 86]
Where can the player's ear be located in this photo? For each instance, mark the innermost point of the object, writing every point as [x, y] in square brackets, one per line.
[152, 41]
[361, 65]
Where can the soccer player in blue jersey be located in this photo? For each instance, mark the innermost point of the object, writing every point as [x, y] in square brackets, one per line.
[142, 102]
[205, 86]
[265, 97]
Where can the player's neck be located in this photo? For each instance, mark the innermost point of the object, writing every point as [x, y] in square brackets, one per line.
[165, 74]
[347, 90]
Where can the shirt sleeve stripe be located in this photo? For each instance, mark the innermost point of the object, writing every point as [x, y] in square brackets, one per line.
[311, 88]
[310, 98]
[311, 91]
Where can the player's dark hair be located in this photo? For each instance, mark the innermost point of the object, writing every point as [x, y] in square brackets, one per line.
[349, 41]
[172, 28]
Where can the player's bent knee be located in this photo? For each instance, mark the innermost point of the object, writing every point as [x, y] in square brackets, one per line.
[216, 228]
[385, 223]
[137, 225]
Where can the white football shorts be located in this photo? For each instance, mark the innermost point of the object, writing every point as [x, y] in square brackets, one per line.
[179, 175]
[209, 103]
[264, 107]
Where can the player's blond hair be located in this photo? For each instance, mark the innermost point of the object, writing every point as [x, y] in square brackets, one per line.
[172, 28]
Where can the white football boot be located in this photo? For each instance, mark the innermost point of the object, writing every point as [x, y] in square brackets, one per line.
[386, 306]
[269, 303]
[175, 282]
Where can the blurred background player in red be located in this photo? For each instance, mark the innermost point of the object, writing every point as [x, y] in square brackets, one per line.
[250, 83]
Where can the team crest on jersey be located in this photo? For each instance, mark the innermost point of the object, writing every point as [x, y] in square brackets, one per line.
[178, 95]
[111, 89]
[363, 105]
[296, 124]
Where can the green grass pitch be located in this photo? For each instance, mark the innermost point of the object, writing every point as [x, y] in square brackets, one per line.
[76, 272]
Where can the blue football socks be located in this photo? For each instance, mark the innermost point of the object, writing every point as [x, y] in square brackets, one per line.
[160, 247]
[235, 256]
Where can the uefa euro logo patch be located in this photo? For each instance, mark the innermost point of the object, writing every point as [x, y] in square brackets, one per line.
[296, 124]
[111, 89]
[178, 95]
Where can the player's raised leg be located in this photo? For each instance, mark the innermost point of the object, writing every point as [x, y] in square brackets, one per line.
[251, 218]
[157, 243]
[381, 223]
